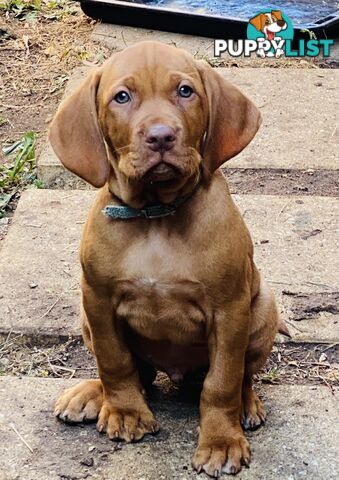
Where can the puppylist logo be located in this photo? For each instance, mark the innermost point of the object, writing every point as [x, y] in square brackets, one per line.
[270, 34]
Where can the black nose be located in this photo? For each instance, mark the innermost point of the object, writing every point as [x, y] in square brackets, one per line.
[160, 138]
[281, 23]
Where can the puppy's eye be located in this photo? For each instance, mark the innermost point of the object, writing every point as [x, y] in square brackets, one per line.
[122, 97]
[185, 91]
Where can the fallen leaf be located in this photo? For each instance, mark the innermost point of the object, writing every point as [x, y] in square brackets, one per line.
[322, 358]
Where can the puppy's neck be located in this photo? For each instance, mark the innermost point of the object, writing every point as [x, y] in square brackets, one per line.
[128, 193]
[138, 195]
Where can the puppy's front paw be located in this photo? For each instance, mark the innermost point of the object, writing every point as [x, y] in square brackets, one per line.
[222, 455]
[80, 403]
[129, 424]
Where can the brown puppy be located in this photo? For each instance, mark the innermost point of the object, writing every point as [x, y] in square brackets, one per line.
[179, 292]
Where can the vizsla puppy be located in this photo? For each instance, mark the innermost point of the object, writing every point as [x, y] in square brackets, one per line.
[168, 274]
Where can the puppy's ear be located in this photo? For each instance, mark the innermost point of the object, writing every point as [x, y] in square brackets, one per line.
[75, 134]
[277, 14]
[258, 21]
[233, 119]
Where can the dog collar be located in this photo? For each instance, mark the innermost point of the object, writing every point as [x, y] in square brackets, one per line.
[159, 210]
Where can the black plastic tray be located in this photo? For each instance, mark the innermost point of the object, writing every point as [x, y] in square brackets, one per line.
[147, 16]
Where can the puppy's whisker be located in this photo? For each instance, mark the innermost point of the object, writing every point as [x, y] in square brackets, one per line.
[123, 148]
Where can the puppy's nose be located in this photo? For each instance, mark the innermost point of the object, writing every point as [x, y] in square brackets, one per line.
[281, 23]
[160, 138]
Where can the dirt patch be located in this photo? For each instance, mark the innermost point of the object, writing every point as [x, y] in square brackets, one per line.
[289, 363]
[40, 44]
[67, 359]
[283, 181]
[308, 306]
[37, 54]
[254, 62]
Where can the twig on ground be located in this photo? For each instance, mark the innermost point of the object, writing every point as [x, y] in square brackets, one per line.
[52, 306]
[330, 346]
[57, 300]
[20, 107]
[65, 369]
[294, 326]
[283, 209]
[325, 382]
[320, 285]
[21, 437]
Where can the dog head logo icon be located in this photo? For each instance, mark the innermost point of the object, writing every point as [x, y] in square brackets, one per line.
[269, 23]
[270, 27]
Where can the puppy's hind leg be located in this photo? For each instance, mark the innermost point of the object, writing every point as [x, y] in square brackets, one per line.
[264, 326]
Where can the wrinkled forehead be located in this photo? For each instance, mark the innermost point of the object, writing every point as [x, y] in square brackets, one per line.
[148, 66]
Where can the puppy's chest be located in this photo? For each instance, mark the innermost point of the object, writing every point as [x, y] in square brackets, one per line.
[159, 294]
[175, 311]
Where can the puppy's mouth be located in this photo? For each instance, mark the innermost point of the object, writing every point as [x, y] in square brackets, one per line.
[162, 172]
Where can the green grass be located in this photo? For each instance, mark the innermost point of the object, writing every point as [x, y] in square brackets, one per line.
[20, 7]
[19, 169]
[28, 10]
[271, 376]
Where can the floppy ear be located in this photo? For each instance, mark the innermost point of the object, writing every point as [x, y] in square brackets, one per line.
[258, 21]
[233, 118]
[75, 134]
[277, 14]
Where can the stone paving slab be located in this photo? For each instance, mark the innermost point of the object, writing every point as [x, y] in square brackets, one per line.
[299, 129]
[117, 37]
[300, 123]
[295, 247]
[299, 440]
[39, 263]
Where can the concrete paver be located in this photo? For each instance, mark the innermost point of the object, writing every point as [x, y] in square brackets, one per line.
[295, 247]
[299, 129]
[116, 38]
[39, 263]
[299, 110]
[299, 440]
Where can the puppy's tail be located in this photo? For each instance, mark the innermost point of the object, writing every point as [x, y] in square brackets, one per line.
[283, 329]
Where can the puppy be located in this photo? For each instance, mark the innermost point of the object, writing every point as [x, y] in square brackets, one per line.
[168, 276]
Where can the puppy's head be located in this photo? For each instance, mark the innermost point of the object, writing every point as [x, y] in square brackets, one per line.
[153, 119]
